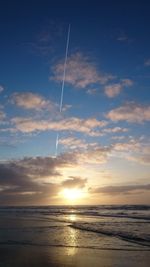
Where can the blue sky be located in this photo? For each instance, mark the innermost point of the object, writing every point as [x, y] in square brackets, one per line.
[103, 148]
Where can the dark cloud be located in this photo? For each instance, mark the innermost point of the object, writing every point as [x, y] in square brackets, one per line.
[123, 189]
[74, 182]
[23, 181]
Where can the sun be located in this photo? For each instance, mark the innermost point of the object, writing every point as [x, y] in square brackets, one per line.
[72, 194]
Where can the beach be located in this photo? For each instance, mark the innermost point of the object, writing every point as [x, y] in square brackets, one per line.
[74, 236]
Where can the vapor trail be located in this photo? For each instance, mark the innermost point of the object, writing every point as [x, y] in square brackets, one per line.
[64, 72]
[63, 84]
[56, 146]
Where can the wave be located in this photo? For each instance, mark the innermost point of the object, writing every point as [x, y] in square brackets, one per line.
[139, 213]
[130, 237]
[28, 243]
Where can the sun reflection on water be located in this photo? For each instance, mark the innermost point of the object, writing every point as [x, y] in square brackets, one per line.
[72, 217]
[73, 241]
[72, 236]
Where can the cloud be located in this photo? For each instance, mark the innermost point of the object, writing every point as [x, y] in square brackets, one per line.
[80, 73]
[134, 150]
[115, 130]
[124, 38]
[90, 153]
[122, 189]
[48, 37]
[116, 88]
[118, 137]
[147, 62]
[127, 82]
[130, 112]
[30, 100]
[2, 115]
[94, 154]
[32, 180]
[132, 145]
[1, 88]
[74, 182]
[93, 91]
[113, 90]
[88, 126]
[72, 143]
[142, 158]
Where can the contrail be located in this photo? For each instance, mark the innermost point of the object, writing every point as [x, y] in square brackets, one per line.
[56, 147]
[63, 84]
[64, 73]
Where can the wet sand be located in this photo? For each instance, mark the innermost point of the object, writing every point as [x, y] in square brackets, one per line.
[31, 256]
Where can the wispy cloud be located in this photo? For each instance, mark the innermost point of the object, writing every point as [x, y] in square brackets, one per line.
[1, 88]
[81, 72]
[147, 62]
[115, 89]
[46, 39]
[92, 91]
[124, 38]
[2, 115]
[140, 158]
[130, 112]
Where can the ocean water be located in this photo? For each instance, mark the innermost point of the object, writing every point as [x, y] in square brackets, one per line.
[96, 227]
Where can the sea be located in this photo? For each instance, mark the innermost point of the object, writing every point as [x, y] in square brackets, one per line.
[103, 227]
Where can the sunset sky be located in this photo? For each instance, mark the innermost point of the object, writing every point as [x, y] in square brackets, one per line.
[104, 148]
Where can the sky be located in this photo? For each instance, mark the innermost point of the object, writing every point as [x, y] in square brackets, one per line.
[102, 131]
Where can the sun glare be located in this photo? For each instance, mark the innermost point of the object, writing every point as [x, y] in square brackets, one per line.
[72, 194]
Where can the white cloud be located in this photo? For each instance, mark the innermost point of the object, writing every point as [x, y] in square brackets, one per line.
[133, 150]
[94, 154]
[88, 126]
[81, 72]
[130, 146]
[30, 100]
[115, 130]
[130, 112]
[115, 89]
[72, 143]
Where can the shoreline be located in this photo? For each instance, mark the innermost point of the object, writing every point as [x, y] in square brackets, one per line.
[27, 256]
